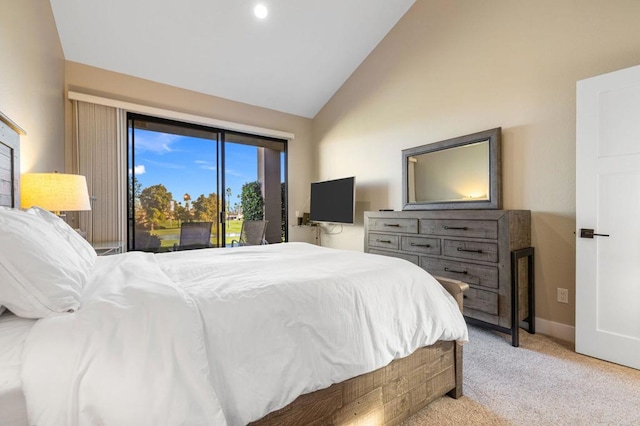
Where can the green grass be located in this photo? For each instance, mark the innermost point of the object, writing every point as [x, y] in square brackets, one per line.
[173, 232]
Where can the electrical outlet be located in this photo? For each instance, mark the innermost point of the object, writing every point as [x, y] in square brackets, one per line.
[563, 295]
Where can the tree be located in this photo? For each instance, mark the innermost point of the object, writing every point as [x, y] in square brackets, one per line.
[206, 209]
[186, 199]
[135, 188]
[140, 216]
[228, 202]
[181, 213]
[155, 201]
[252, 201]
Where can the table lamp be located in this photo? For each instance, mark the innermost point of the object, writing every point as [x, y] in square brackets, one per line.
[56, 192]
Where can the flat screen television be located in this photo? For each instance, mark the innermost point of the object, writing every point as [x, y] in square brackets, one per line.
[333, 201]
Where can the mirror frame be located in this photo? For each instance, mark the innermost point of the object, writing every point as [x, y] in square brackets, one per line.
[494, 137]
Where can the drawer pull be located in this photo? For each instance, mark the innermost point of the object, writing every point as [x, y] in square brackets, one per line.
[395, 225]
[469, 251]
[461, 228]
[420, 245]
[454, 271]
[383, 241]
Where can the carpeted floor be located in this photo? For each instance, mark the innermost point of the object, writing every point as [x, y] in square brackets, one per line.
[543, 382]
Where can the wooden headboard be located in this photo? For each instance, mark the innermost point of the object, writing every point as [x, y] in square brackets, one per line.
[9, 162]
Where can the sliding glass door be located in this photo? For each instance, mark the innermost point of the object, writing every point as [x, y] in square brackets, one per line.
[182, 176]
[254, 176]
[173, 179]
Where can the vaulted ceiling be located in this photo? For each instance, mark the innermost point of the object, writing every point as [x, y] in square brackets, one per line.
[293, 60]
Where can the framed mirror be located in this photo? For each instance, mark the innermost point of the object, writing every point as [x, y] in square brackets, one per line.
[459, 173]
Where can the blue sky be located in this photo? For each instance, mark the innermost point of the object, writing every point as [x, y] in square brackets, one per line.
[189, 165]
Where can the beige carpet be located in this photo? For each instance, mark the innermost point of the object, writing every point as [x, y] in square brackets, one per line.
[543, 382]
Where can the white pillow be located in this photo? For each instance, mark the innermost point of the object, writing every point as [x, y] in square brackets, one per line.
[2, 309]
[41, 274]
[76, 240]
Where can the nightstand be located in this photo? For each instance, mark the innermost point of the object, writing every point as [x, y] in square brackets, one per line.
[105, 248]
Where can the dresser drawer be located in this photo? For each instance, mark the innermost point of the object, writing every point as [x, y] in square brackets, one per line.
[420, 245]
[460, 228]
[477, 247]
[410, 257]
[405, 226]
[472, 250]
[384, 241]
[481, 300]
[480, 275]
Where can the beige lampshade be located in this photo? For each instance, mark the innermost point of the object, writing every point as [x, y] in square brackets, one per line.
[54, 191]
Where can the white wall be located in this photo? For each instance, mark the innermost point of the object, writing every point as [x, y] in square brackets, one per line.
[449, 68]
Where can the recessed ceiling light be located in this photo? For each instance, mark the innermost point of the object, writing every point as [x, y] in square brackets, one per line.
[260, 11]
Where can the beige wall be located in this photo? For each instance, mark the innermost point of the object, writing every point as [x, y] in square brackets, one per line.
[32, 81]
[95, 81]
[454, 67]
[449, 68]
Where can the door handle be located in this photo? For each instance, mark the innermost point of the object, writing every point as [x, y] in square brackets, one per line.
[590, 233]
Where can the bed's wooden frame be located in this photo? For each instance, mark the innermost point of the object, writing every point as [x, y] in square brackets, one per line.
[386, 396]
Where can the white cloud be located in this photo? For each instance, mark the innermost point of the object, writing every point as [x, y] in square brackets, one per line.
[231, 172]
[158, 143]
[206, 165]
[140, 170]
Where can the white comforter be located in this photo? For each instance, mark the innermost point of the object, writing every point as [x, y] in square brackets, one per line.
[224, 336]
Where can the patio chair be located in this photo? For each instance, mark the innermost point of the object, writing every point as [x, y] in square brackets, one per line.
[252, 233]
[194, 235]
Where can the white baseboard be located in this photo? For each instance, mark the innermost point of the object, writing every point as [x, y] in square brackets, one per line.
[555, 329]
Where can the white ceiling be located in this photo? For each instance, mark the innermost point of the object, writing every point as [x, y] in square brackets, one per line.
[293, 61]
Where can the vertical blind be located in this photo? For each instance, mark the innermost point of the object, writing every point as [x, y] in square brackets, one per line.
[99, 154]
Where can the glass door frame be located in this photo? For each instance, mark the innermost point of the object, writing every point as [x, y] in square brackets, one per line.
[218, 228]
[221, 142]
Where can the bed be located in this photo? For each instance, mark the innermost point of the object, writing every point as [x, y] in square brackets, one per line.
[13, 333]
[281, 334]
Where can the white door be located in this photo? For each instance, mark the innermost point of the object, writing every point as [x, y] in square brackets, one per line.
[608, 202]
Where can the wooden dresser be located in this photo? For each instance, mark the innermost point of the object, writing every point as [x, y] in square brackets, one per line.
[488, 249]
